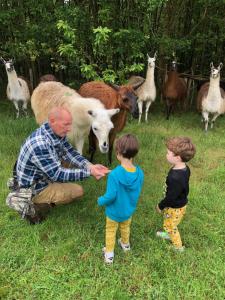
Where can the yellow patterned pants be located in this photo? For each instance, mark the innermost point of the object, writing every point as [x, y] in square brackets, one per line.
[172, 217]
[110, 234]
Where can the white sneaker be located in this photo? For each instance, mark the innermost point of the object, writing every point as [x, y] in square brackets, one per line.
[180, 249]
[108, 256]
[125, 247]
[163, 235]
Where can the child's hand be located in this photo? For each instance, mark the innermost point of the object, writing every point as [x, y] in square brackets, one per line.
[158, 209]
[98, 171]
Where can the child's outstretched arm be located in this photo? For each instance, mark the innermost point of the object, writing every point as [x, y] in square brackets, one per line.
[111, 191]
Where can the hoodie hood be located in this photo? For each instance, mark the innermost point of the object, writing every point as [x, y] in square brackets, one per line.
[130, 180]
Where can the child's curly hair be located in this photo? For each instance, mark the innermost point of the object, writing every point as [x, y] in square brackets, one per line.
[181, 146]
[127, 146]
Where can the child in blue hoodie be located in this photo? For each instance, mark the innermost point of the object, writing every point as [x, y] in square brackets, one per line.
[124, 186]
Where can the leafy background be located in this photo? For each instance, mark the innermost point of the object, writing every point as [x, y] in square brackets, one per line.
[84, 40]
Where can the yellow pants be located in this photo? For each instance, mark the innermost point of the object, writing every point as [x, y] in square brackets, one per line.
[172, 217]
[110, 234]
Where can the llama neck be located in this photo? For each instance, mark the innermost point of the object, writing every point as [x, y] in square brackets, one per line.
[150, 75]
[172, 75]
[214, 84]
[12, 78]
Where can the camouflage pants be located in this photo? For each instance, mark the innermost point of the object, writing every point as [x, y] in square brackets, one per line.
[21, 201]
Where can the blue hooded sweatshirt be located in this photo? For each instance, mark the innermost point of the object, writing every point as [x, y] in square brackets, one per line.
[122, 193]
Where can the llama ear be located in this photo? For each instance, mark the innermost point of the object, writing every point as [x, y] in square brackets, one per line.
[113, 111]
[211, 65]
[220, 66]
[114, 86]
[155, 55]
[91, 113]
[2, 60]
[148, 56]
[137, 85]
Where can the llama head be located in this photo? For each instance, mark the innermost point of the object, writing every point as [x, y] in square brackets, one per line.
[127, 98]
[174, 65]
[9, 65]
[215, 72]
[151, 60]
[101, 125]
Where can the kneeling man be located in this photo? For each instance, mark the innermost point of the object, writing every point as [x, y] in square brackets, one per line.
[39, 165]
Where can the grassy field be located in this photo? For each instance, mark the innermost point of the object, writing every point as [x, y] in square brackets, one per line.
[61, 258]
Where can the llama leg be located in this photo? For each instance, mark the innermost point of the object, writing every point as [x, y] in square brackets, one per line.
[110, 155]
[140, 104]
[205, 116]
[17, 108]
[168, 110]
[80, 144]
[92, 144]
[214, 119]
[92, 155]
[24, 107]
[146, 110]
[112, 136]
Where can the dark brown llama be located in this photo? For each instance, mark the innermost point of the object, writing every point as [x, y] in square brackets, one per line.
[174, 90]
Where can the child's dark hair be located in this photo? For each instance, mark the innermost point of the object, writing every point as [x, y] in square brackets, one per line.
[127, 146]
[181, 146]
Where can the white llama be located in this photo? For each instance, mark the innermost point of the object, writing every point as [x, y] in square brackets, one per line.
[147, 91]
[211, 98]
[87, 113]
[17, 88]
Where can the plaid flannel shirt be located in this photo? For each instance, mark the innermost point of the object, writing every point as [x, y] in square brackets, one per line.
[40, 160]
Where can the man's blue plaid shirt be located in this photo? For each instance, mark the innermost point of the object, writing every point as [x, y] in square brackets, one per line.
[40, 160]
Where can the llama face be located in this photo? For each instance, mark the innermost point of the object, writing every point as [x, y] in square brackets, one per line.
[128, 99]
[9, 66]
[215, 72]
[174, 65]
[101, 126]
[151, 61]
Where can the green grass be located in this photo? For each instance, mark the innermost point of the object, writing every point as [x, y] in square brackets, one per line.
[61, 258]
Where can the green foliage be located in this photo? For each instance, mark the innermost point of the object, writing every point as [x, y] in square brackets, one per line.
[171, 45]
[109, 75]
[109, 39]
[154, 4]
[101, 35]
[89, 72]
[67, 46]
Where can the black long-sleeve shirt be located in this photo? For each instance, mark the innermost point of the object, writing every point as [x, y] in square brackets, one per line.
[177, 188]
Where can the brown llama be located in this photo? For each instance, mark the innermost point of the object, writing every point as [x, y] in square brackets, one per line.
[174, 89]
[113, 96]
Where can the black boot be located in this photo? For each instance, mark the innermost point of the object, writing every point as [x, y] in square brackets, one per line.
[36, 219]
[42, 208]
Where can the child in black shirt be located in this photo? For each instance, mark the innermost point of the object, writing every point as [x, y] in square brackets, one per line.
[173, 206]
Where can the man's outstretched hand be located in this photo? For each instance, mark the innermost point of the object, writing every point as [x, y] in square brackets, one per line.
[99, 171]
